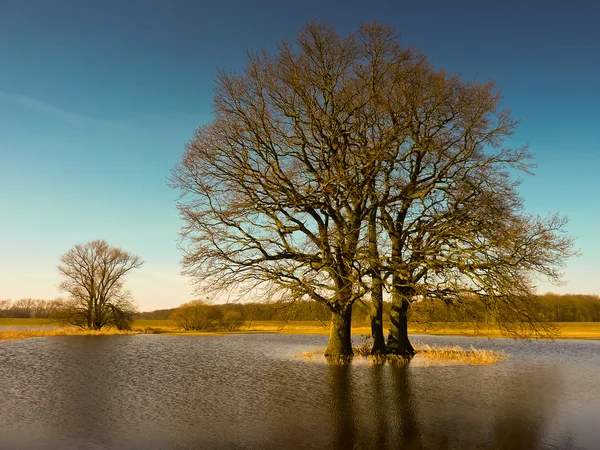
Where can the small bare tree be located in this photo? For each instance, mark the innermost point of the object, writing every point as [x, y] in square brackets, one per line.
[24, 308]
[94, 275]
[5, 307]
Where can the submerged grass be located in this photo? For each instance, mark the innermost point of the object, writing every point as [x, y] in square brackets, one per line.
[428, 354]
[460, 355]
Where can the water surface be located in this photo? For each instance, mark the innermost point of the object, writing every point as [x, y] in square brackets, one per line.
[247, 391]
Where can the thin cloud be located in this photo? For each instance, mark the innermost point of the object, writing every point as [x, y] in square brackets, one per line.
[59, 113]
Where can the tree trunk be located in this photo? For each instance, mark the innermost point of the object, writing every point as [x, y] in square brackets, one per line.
[377, 317]
[398, 342]
[376, 288]
[340, 337]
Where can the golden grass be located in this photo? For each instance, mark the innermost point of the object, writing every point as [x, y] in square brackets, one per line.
[66, 331]
[10, 322]
[311, 354]
[579, 330]
[567, 330]
[459, 355]
[425, 355]
[154, 323]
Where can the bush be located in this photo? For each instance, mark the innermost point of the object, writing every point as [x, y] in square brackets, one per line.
[199, 316]
[195, 316]
[231, 320]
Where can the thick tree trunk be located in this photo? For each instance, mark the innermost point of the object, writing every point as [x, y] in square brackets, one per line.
[340, 336]
[376, 289]
[377, 317]
[398, 342]
[89, 314]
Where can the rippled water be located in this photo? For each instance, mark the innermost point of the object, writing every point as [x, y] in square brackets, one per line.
[247, 391]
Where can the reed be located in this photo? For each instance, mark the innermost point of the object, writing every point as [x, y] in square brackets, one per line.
[431, 354]
[459, 355]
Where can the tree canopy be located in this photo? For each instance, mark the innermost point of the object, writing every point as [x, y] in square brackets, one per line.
[340, 166]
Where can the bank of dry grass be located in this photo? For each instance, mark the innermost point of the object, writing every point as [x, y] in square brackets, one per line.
[14, 322]
[566, 330]
[66, 331]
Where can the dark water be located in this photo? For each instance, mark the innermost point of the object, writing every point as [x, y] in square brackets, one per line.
[247, 391]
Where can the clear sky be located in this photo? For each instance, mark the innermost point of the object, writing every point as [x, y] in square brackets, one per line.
[97, 100]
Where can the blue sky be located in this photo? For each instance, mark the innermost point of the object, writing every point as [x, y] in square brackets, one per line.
[97, 100]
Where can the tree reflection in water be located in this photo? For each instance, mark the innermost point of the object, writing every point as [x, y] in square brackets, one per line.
[378, 412]
[341, 404]
[414, 408]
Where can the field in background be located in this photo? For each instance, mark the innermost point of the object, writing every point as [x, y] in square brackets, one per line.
[26, 323]
[568, 330]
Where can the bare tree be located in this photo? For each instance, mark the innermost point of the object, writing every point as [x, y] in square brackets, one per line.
[276, 189]
[5, 307]
[24, 308]
[340, 166]
[454, 220]
[94, 275]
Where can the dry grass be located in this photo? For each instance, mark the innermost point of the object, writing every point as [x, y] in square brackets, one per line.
[311, 354]
[154, 323]
[319, 354]
[427, 354]
[14, 322]
[459, 355]
[567, 330]
[579, 330]
[67, 331]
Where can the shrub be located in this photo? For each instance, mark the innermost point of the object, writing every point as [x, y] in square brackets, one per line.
[195, 316]
[231, 320]
[199, 316]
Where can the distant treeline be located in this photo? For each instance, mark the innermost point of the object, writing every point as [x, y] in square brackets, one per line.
[27, 308]
[304, 310]
[553, 307]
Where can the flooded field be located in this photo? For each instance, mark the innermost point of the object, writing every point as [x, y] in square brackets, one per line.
[248, 391]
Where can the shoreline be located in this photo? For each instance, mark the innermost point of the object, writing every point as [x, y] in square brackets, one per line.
[41, 328]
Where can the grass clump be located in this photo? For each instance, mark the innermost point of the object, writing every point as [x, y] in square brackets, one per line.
[472, 355]
[152, 330]
[311, 354]
[428, 354]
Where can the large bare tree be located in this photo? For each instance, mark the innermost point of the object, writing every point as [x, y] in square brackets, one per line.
[448, 201]
[93, 277]
[276, 189]
[342, 165]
